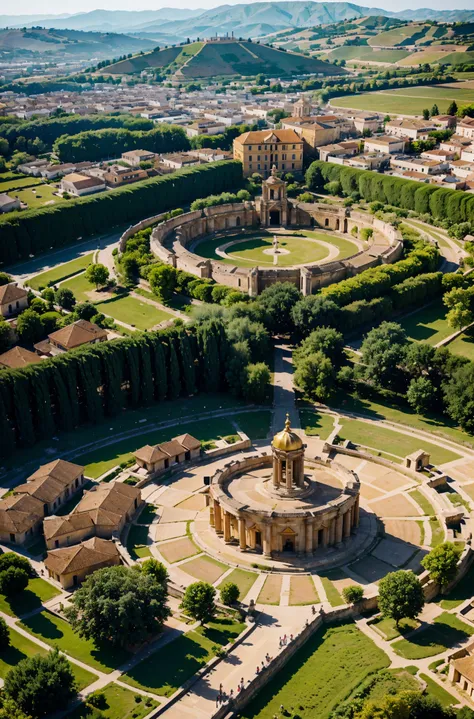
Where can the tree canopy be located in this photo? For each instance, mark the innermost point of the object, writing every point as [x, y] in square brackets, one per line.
[401, 595]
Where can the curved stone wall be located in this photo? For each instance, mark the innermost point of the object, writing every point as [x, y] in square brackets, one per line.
[170, 242]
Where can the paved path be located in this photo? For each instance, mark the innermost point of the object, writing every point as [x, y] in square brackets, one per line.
[283, 391]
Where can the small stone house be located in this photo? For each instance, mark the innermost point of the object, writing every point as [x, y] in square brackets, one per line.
[53, 484]
[71, 565]
[162, 456]
[21, 517]
[417, 460]
[18, 357]
[77, 334]
[13, 299]
[461, 672]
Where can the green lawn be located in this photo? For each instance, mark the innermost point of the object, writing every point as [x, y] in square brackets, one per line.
[137, 542]
[57, 632]
[438, 692]
[147, 515]
[388, 629]
[437, 533]
[333, 596]
[19, 182]
[324, 672]
[21, 647]
[406, 100]
[463, 590]
[244, 580]
[316, 423]
[428, 324]
[463, 345]
[37, 197]
[383, 409]
[249, 250]
[365, 52]
[37, 592]
[182, 658]
[445, 633]
[391, 681]
[255, 424]
[101, 460]
[133, 312]
[390, 441]
[80, 286]
[61, 272]
[120, 703]
[424, 503]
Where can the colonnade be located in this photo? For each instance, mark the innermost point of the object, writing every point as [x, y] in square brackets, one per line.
[312, 532]
[288, 472]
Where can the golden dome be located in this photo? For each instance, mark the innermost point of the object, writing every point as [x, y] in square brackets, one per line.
[287, 440]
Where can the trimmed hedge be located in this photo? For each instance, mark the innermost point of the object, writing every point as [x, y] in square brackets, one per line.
[455, 205]
[35, 231]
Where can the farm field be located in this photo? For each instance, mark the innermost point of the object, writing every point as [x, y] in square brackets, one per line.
[365, 52]
[407, 100]
[17, 182]
[418, 58]
[331, 664]
[62, 272]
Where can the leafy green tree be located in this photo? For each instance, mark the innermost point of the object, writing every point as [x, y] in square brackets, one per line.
[11, 559]
[256, 381]
[326, 340]
[452, 108]
[278, 301]
[41, 685]
[64, 297]
[421, 394]
[13, 581]
[401, 595]
[29, 327]
[156, 569]
[315, 376]
[4, 635]
[353, 594]
[10, 710]
[333, 188]
[441, 563]
[97, 275]
[314, 311]
[434, 110]
[242, 329]
[229, 593]
[163, 281]
[85, 311]
[198, 601]
[382, 353]
[426, 114]
[139, 602]
[5, 278]
[239, 358]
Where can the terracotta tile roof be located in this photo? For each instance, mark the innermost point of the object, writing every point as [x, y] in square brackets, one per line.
[88, 554]
[262, 136]
[46, 489]
[77, 334]
[172, 448]
[113, 500]
[150, 454]
[188, 441]
[59, 469]
[18, 513]
[11, 293]
[81, 182]
[60, 526]
[465, 666]
[18, 357]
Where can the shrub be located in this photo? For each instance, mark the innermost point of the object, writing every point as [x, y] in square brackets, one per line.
[353, 594]
[229, 593]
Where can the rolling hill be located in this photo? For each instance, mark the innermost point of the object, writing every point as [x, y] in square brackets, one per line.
[64, 43]
[232, 57]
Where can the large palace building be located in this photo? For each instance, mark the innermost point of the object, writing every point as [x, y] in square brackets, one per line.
[284, 502]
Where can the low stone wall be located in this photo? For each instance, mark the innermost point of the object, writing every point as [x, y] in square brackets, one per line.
[136, 228]
[172, 241]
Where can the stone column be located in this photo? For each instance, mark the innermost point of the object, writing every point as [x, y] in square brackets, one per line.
[325, 537]
[276, 472]
[242, 535]
[211, 516]
[315, 537]
[347, 524]
[309, 538]
[267, 541]
[355, 516]
[227, 532]
[217, 517]
[289, 474]
[332, 532]
[338, 537]
[252, 543]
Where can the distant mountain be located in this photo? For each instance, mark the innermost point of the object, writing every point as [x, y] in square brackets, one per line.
[220, 59]
[63, 43]
[244, 20]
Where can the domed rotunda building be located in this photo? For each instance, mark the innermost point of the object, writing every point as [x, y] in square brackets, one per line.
[284, 502]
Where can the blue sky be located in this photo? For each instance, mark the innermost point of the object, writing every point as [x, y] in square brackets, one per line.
[36, 7]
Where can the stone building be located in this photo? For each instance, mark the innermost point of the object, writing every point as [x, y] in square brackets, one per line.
[13, 299]
[158, 458]
[259, 150]
[279, 504]
[273, 204]
[71, 565]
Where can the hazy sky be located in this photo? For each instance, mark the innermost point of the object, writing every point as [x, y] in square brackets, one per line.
[37, 7]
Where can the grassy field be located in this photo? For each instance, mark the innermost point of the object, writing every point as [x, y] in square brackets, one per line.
[57, 632]
[130, 310]
[365, 52]
[182, 658]
[388, 629]
[421, 500]
[21, 647]
[376, 410]
[120, 703]
[446, 632]
[255, 424]
[37, 592]
[316, 423]
[137, 542]
[19, 182]
[390, 441]
[430, 56]
[43, 196]
[333, 596]
[463, 345]
[103, 459]
[251, 249]
[428, 324]
[407, 34]
[61, 272]
[438, 692]
[244, 580]
[331, 665]
[80, 286]
[407, 100]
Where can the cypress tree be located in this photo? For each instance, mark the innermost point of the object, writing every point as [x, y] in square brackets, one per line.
[89, 379]
[41, 401]
[174, 374]
[112, 372]
[146, 375]
[7, 435]
[63, 412]
[132, 365]
[22, 404]
[160, 373]
[187, 363]
[209, 355]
